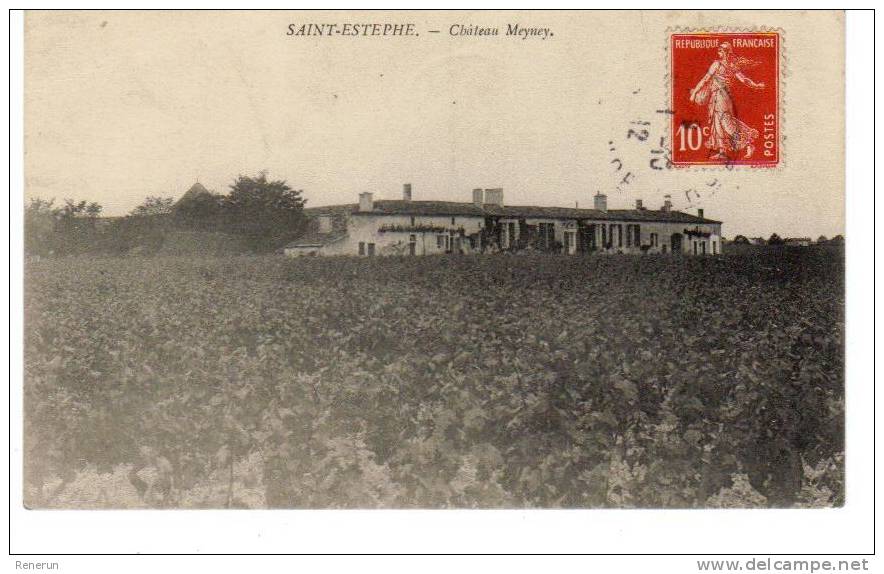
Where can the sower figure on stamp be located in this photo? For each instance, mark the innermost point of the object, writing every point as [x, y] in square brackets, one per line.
[727, 134]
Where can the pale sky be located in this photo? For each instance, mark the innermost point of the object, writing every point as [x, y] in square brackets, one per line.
[122, 105]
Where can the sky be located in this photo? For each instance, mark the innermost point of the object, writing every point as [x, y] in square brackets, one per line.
[123, 105]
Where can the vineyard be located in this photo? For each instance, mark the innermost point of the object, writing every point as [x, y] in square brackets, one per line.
[439, 381]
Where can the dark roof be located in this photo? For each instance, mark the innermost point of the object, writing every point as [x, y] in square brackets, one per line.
[453, 208]
[537, 211]
[402, 207]
[345, 209]
[652, 215]
[313, 239]
[195, 191]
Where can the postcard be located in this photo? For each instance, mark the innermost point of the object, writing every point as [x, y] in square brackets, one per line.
[434, 259]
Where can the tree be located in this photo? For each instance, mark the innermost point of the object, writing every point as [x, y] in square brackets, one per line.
[267, 213]
[93, 210]
[144, 230]
[154, 206]
[198, 209]
[775, 240]
[79, 210]
[741, 240]
[40, 219]
[74, 227]
[838, 239]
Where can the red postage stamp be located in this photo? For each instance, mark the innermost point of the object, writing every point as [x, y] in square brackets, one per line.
[724, 97]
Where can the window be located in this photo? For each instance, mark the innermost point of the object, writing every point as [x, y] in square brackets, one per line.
[604, 235]
[511, 233]
[370, 249]
[695, 247]
[362, 248]
[633, 235]
[440, 242]
[589, 239]
[703, 245]
[412, 238]
[714, 248]
[616, 235]
[654, 240]
[547, 233]
[412, 221]
[452, 221]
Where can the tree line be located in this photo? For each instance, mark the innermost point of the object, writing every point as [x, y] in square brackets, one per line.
[257, 212]
[775, 239]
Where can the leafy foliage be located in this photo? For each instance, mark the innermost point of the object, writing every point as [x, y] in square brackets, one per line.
[263, 214]
[155, 205]
[65, 229]
[199, 211]
[268, 213]
[39, 225]
[481, 381]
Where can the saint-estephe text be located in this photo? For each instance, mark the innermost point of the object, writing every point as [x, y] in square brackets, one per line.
[352, 29]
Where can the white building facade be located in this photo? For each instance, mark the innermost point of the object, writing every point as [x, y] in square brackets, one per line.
[408, 227]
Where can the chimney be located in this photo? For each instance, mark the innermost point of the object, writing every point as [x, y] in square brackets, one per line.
[638, 204]
[667, 205]
[494, 196]
[406, 191]
[366, 203]
[600, 202]
[478, 197]
[700, 213]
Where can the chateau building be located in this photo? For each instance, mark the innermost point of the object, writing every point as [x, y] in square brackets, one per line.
[485, 224]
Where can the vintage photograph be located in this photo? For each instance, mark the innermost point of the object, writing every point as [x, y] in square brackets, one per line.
[435, 260]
